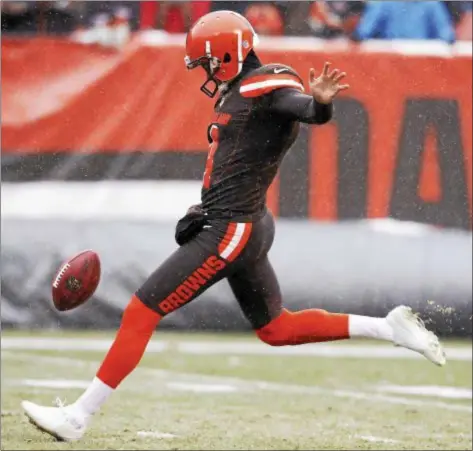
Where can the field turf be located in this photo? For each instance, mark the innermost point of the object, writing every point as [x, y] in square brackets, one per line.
[219, 392]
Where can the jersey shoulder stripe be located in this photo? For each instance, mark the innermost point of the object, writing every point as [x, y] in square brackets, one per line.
[269, 78]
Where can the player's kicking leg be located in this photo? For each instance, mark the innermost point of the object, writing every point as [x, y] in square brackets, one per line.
[257, 290]
[192, 269]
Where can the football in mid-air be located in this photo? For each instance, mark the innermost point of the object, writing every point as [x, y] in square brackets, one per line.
[76, 280]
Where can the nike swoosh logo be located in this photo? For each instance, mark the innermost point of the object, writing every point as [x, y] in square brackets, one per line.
[278, 71]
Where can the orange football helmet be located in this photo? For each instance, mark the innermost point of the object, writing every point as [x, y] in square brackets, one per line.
[219, 42]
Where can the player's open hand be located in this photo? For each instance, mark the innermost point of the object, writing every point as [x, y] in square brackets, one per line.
[325, 87]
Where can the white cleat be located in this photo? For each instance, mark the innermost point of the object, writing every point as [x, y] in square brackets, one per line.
[66, 423]
[409, 331]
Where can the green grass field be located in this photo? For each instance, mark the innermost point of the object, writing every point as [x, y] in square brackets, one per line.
[229, 392]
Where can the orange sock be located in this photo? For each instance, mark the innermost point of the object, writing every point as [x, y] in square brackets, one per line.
[136, 329]
[306, 326]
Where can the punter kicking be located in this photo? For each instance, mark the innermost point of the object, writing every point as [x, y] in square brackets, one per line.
[228, 236]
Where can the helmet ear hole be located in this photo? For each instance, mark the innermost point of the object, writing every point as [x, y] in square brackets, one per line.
[227, 58]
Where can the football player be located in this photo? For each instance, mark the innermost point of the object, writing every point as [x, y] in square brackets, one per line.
[257, 114]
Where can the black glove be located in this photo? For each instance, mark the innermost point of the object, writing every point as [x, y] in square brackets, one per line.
[189, 226]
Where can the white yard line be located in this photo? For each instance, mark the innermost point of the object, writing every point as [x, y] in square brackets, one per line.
[155, 434]
[372, 439]
[239, 384]
[54, 383]
[233, 348]
[202, 388]
[435, 391]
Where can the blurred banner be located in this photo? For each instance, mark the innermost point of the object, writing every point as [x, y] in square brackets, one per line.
[400, 144]
[105, 149]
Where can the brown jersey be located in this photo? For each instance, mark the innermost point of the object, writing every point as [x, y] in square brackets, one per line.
[256, 120]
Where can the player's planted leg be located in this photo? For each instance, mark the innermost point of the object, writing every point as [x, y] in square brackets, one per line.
[70, 422]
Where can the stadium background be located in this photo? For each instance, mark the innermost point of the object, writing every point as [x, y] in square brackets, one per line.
[103, 145]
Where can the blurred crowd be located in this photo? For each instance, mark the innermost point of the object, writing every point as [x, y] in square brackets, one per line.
[358, 20]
